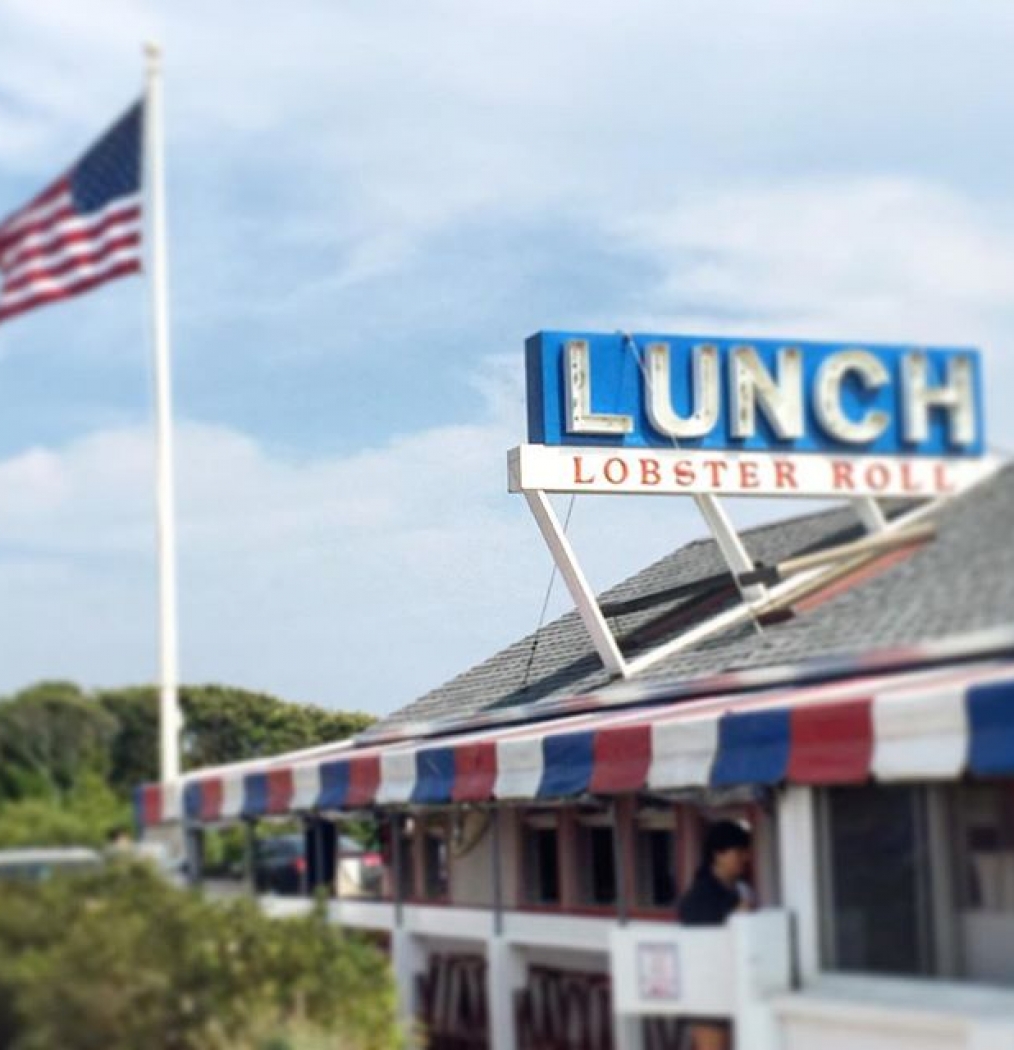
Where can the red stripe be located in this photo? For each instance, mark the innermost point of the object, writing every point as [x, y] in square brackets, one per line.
[280, 787]
[50, 193]
[151, 805]
[55, 294]
[364, 780]
[474, 772]
[72, 236]
[13, 237]
[831, 743]
[211, 799]
[621, 758]
[29, 277]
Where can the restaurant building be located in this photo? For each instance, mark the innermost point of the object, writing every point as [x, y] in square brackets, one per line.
[842, 683]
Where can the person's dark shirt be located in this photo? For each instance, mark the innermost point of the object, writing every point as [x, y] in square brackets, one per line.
[708, 902]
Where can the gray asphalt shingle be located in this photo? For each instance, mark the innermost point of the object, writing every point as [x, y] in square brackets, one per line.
[960, 582]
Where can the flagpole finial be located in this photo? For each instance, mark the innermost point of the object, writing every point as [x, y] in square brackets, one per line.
[153, 53]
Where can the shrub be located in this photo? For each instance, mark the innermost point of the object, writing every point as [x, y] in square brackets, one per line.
[122, 960]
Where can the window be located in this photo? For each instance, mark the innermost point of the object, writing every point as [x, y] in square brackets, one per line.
[540, 842]
[919, 879]
[655, 878]
[877, 867]
[434, 858]
[984, 879]
[596, 858]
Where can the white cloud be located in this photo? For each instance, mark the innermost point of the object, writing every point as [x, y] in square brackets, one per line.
[785, 168]
[876, 259]
[356, 580]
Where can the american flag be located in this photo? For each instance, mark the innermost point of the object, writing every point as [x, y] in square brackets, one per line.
[83, 230]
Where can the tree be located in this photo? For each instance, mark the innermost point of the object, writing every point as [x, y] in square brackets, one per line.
[84, 817]
[51, 734]
[59, 745]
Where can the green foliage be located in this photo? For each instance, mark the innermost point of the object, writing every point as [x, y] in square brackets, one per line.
[84, 818]
[123, 960]
[59, 746]
[228, 725]
[50, 735]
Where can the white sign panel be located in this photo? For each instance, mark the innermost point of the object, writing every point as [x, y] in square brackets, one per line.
[692, 472]
[658, 971]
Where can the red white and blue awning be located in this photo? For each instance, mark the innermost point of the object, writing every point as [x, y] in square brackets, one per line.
[926, 725]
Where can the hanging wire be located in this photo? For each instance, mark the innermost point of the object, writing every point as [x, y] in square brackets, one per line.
[545, 600]
[631, 342]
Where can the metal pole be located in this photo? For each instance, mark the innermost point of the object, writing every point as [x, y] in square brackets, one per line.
[320, 826]
[396, 865]
[497, 875]
[250, 855]
[170, 720]
[304, 876]
[619, 858]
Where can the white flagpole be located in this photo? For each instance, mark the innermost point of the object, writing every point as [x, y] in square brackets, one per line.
[170, 721]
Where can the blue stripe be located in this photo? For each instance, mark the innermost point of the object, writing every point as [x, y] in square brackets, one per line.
[255, 794]
[991, 722]
[192, 800]
[567, 764]
[753, 748]
[334, 785]
[434, 775]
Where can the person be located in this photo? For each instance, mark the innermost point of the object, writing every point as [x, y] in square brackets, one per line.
[716, 892]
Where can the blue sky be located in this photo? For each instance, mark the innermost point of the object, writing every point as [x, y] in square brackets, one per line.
[371, 205]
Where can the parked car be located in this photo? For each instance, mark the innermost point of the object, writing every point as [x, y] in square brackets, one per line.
[282, 867]
[39, 864]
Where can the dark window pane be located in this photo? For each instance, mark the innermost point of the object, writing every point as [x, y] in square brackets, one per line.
[596, 865]
[655, 863]
[541, 865]
[878, 874]
[435, 882]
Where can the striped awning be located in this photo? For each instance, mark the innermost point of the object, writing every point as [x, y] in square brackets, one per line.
[926, 725]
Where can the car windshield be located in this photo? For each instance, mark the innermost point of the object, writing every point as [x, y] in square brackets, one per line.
[283, 846]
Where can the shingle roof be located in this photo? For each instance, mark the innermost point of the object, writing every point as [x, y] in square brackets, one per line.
[960, 582]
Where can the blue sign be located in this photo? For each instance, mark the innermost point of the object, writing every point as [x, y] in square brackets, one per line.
[693, 392]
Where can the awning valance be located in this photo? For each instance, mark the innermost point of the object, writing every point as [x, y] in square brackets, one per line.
[924, 725]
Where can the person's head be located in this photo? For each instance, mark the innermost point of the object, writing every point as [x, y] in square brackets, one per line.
[727, 850]
[118, 837]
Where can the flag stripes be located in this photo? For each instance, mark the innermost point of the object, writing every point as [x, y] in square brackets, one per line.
[81, 231]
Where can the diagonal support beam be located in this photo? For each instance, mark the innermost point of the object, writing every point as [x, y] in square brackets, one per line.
[870, 514]
[580, 590]
[729, 543]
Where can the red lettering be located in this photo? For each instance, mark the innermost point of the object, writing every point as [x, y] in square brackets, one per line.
[615, 470]
[785, 475]
[683, 470]
[877, 477]
[748, 478]
[718, 468]
[650, 474]
[941, 479]
[908, 480]
[579, 479]
[841, 474]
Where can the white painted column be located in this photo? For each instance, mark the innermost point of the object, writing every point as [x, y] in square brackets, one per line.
[628, 1032]
[406, 962]
[798, 858]
[505, 976]
[762, 970]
